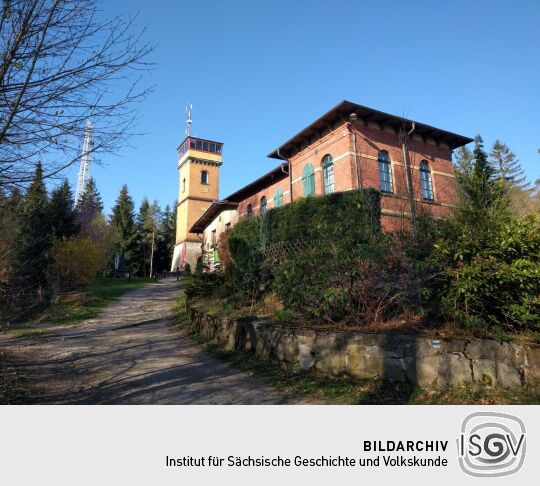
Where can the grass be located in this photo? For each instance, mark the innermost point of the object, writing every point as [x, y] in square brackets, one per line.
[318, 389]
[74, 307]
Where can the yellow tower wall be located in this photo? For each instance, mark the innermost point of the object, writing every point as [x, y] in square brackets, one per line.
[194, 198]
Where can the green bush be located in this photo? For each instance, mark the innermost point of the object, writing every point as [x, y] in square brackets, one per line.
[203, 284]
[494, 284]
[343, 249]
[245, 269]
[313, 218]
[187, 268]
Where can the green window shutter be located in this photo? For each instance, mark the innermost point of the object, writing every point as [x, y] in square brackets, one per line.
[308, 180]
[278, 198]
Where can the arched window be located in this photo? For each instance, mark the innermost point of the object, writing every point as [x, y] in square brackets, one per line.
[184, 185]
[385, 172]
[278, 198]
[425, 181]
[328, 174]
[204, 177]
[308, 180]
[249, 210]
[263, 205]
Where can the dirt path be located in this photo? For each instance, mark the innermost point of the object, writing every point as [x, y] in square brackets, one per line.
[131, 354]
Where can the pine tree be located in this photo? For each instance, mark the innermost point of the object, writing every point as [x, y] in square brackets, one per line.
[8, 228]
[61, 214]
[123, 222]
[464, 160]
[507, 167]
[140, 259]
[150, 227]
[166, 239]
[91, 197]
[33, 236]
[483, 203]
[89, 208]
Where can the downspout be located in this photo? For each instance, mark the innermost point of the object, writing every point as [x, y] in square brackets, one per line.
[353, 117]
[405, 148]
[290, 173]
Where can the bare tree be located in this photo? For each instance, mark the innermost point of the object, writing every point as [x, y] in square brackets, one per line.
[63, 64]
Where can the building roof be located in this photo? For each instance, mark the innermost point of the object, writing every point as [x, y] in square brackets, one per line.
[343, 110]
[210, 214]
[276, 174]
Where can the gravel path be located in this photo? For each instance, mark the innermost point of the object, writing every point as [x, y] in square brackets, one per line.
[131, 354]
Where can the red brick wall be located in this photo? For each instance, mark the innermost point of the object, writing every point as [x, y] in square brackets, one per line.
[339, 144]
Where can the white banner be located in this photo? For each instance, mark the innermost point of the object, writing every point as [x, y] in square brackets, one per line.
[268, 445]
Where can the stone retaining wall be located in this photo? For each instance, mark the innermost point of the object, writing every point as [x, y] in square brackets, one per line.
[392, 357]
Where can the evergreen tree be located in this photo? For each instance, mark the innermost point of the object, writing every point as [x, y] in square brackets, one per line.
[123, 222]
[33, 236]
[15, 198]
[166, 238]
[91, 197]
[140, 258]
[464, 160]
[89, 208]
[8, 229]
[483, 204]
[61, 214]
[151, 228]
[507, 167]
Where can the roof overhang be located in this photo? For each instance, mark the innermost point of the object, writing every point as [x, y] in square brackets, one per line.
[215, 209]
[366, 115]
[275, 175]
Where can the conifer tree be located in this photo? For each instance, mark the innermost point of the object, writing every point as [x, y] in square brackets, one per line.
[507, 166]
[123, 222]
[140, 260]
[463, 160]
[91, 197]
[61, 214]
[8, 229]
[166, 239]
[483, 203]
[33, 236]
[89, 209]
[150, 228]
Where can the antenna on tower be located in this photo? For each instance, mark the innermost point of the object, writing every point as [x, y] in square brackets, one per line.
[86, 158]
[189, 108]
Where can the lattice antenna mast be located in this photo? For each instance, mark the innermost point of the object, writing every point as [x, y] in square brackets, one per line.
[189, 109]
[86, 158]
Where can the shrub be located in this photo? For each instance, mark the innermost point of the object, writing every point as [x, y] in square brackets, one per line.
[313, 218]
[203, 284]
[348, 281]
[75, 261]
[187, 268]
[497, 283]
[343, 245]
[245, 270]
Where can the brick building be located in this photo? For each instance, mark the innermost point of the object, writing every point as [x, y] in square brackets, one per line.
[349, 147]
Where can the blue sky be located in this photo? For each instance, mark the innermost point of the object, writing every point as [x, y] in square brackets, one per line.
[257, 72]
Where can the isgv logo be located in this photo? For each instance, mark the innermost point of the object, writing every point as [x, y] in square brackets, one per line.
[491, 444]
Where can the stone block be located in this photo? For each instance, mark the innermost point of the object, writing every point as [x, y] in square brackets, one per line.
[508, 375]
[485, 370]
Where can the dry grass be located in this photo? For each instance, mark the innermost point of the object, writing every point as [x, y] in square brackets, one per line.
[271, 308]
